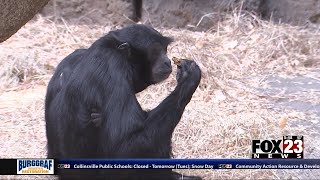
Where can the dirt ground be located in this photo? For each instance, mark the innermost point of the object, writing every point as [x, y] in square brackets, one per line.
[230, 108]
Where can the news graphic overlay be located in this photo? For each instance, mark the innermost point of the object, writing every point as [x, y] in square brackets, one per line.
[290, 147]
[175, 164]
[35, 166]
[225, 166]
[50, 166]
[63, 166]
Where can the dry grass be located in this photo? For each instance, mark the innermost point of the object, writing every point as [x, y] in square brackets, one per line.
[225, 114]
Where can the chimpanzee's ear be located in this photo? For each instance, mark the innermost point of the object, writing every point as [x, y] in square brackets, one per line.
[118, 43]
[123, 46]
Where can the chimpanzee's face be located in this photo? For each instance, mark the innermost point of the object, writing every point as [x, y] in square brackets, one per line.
[148, 54]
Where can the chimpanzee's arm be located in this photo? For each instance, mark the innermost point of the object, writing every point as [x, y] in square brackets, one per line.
[153, 139]
[167, 114]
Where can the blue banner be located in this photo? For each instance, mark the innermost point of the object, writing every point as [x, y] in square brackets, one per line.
[189, 164]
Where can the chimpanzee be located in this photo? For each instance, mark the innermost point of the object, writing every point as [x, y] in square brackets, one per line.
[60, 77]
[106, 77]
[62, 73]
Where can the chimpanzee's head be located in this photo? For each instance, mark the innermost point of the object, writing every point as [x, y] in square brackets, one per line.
[146, 51]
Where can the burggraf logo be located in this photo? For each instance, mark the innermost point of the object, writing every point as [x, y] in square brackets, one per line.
[35, 166]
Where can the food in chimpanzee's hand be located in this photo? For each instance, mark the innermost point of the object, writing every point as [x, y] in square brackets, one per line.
[177, 61]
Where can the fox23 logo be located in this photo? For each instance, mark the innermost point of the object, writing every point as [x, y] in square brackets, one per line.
[64, 166]
[288, 147]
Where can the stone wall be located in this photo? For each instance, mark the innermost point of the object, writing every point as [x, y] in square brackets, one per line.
[190, 14]
[295, 12]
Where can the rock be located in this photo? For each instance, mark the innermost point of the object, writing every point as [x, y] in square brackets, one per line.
[100, 12]
[14, 14]
[191, 14]
[296, 12]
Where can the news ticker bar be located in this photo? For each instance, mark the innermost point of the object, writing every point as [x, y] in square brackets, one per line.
[194, 164]
[23, 166]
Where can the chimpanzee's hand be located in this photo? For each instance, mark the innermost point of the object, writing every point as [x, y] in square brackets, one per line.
[96, 117]
[188, 72]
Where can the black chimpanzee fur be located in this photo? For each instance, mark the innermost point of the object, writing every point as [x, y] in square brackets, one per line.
[106, 77]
